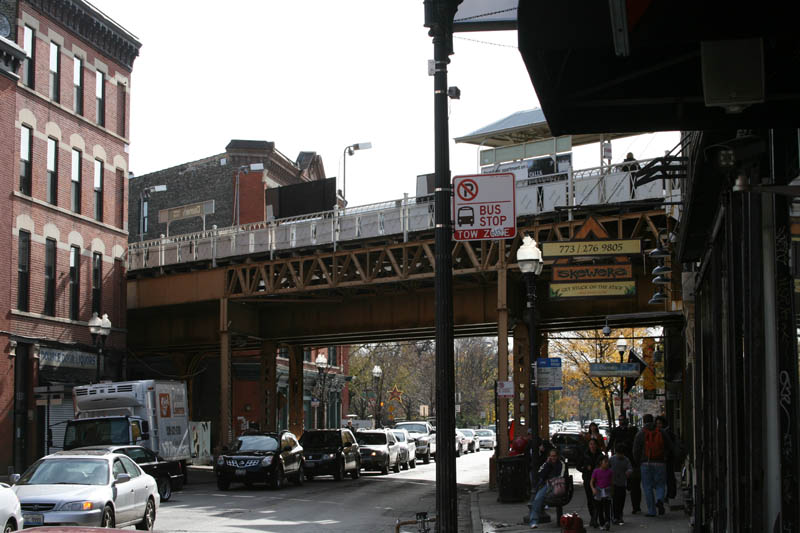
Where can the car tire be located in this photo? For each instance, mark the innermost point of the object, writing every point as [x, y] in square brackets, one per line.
[385, 467]
[405, 465]
[355, 474]
[223, 484]
[427, 458]
[10, 526]
[164, 488]
[301, 476]
[458, 452]
[338, 475]
[413, 463]
[149, 518]
[309, 477]
[396, 467]
[107, 519]
[276, 483]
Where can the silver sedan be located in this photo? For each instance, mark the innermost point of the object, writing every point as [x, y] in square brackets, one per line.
[87, 488]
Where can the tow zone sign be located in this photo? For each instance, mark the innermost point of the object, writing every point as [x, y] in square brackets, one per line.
[484, 207]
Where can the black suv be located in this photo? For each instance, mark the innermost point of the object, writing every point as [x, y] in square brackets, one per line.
[330, 452]
[269, 458]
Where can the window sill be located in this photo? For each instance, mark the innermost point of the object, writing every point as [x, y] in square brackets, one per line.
[26, 314]
[69, 213]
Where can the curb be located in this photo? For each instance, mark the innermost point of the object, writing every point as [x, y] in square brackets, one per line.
[475, 511]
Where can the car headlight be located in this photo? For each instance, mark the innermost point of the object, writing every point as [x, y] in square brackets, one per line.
[220, 460]
[77, 506]
[329, 456]
[266, 461]
[373, 454]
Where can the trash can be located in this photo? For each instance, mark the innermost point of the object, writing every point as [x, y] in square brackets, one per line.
[512, 478]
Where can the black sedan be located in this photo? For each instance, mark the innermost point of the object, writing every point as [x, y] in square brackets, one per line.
[330, 451]
[269, 458]
[169, 475]
[571, 447]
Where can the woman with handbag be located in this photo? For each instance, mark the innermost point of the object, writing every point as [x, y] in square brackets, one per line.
[550, 478]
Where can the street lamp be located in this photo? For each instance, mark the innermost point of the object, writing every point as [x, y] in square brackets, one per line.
[350, 150]
[144, 196]
[622, 347]
[377, 373]
[322, 367]
[100, 328]
[529, 258]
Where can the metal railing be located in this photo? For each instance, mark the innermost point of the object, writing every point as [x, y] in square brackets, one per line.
[534, 195]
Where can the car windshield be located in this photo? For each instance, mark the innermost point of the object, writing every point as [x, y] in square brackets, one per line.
[400, 436]
[371, 438]
[467, 432]
[91, 432]
[256, 443]
[320, 439]
[62, 471]
[418, 428]
[484, 433]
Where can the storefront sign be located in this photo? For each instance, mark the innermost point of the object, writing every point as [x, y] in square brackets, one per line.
[67, 358]
[573, 273]
[199, 209]
[591, 248]
[592, 289]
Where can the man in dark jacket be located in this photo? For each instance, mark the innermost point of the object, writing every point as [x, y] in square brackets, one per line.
[625, 434]
[651, 448]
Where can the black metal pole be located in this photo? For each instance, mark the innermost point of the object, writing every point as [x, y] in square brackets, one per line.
[439, 18]
[533, 393]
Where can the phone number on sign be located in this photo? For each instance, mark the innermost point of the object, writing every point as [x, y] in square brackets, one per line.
[591, 248]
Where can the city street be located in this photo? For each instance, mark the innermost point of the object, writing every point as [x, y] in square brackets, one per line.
[371, 503]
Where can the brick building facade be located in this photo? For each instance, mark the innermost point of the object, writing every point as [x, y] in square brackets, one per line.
[64, 115]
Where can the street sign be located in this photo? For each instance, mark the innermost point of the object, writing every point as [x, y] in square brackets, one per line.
[314, 402]
[548, 374]
[614, 370]
[49, 389]
[505, 389]
[591, 248]
[484, 207]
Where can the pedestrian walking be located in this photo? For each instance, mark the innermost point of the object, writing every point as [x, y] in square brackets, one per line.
[622, 468]
[602, 479]
[591, 460]
[650, 449]
[550, 469]
[625, 435]
[675, 458]
[594, 433]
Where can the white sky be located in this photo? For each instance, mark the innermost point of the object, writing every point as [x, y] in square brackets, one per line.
[319, 75]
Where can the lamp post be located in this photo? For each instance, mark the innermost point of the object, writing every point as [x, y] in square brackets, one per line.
[622, 347]
[529, 258]
[100, 328]
[376, 379]
[322, 367]
[144, 195]
[350, 150]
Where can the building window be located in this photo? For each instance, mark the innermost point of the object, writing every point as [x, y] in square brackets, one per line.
[50, 277]
[25, 155]
[307, 355]
[55, 78]
[77, 160]
[77, 84]
[332, 356]
[28, 68]
[121, 102]
[100, 98]
[23, 270]
[74, 282]
[52, 171]
[145, 203]
[98, 190]
[97, 282]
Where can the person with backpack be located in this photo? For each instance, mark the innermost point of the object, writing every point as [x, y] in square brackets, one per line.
[625, 435]
[651, 449]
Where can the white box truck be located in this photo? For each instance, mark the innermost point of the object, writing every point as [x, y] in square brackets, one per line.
[147, 412]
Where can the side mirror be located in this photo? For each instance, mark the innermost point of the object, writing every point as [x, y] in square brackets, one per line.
[122, 478]
[14, 478]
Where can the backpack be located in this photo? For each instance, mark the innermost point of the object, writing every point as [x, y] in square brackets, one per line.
[653, 445]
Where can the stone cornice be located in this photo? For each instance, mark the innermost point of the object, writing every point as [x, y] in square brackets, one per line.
[11, 57]
[94, 26]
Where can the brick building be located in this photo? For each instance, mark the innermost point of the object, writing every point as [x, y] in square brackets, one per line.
[64, 106]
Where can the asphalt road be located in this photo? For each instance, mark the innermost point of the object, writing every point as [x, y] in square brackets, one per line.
[372, 503]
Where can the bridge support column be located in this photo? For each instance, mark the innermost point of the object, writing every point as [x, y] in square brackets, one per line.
[269, 376]
[296, 389]
[225, 430]
[502, 358]
[522, 379]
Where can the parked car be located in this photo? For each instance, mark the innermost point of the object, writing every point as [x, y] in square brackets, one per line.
[269, 458]
[472, 442]
[424, 436]
[87, 488]
[168, 474]
[330, 452]
[10, 510]
[486, 438]
[461, 443]
[407, 447]
[379, 450]
[571, 447]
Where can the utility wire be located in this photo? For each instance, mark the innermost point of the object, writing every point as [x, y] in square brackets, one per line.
[484, 42]
[485, 14]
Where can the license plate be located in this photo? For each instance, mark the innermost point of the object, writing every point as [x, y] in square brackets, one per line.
[33, 519]
[311, 463]
[241, 472]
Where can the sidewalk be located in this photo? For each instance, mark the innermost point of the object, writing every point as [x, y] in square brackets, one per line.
[489, 515]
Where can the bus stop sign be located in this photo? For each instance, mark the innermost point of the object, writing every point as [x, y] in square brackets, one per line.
[484, 207]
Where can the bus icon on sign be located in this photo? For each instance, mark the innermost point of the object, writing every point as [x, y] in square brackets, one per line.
[466, 216]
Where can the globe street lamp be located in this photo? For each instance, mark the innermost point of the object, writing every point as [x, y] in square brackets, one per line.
[377, 373]
[322, 367]
[350, 150]
[100, 328]
[622, 347]
[529, 259]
